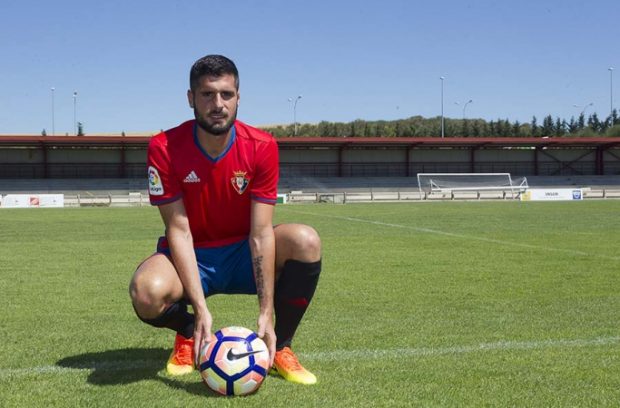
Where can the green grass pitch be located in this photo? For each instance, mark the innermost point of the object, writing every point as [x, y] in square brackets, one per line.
[420, 304]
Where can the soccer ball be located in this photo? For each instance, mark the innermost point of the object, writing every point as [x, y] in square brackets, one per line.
[235, 363]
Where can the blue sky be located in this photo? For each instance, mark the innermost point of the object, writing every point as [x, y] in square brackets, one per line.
[129, 60]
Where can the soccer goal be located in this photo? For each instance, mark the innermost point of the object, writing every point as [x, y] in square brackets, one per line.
[432, 183]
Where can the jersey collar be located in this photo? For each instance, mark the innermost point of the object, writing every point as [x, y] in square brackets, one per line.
[233, 135]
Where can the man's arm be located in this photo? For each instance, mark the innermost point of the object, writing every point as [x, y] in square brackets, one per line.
[263, 247]
[181, 246]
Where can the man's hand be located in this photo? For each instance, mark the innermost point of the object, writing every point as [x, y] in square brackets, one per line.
[202, 331]
[267, 333]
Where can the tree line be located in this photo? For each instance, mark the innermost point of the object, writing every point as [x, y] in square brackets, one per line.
[418, 126]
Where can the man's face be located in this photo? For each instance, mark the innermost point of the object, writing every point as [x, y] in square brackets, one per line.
[215, 101]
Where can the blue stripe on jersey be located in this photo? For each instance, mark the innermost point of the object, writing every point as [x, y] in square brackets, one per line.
[264, 200]
[167, 200]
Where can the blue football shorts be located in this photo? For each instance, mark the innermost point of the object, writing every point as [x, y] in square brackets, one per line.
[226, 269]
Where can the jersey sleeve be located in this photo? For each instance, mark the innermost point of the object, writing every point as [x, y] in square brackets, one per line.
[265, 184]
[164, 187]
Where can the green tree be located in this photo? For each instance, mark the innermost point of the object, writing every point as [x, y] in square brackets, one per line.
[534, 127]
[307, 130]
[506, 128]
[398, 131]
[278, 131]
[417, 126]
[594, 123]
[581, 122]
[371, 129]
[475, 129]
[560, 126]
[390, 129]
[358, 128]
[573, 126]
[613, 131]
[342, 130]
[547, 127]
[324, 128]
[465, 128]
[586, 132]
[407, 129]
[490, 132]
[606, 124]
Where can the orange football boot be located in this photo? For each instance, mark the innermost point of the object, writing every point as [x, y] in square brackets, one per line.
[181, 359]
[288, 366]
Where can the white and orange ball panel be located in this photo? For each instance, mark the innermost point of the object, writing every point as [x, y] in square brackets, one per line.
[236, 363]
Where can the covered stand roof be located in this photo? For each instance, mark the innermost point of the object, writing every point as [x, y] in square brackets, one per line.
[338, 142]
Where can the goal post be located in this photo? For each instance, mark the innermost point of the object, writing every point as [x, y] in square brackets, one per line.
[429, 183]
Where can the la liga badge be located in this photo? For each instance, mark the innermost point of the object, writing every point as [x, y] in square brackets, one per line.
[240, 181]
[155, 185]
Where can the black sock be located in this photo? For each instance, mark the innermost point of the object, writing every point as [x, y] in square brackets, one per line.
[293, 293]
[175, 317]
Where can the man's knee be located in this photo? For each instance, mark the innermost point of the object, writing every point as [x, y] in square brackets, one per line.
[311, 242]
[298, 241]
[148, 295]
[144, 299]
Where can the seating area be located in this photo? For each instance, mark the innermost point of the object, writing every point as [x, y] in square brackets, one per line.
[72, 186]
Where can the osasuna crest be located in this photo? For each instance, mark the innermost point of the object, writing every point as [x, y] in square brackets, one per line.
[240, 181]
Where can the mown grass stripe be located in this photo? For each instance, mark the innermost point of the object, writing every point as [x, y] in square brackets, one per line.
[462, 236]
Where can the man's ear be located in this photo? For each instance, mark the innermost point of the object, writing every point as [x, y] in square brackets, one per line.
[190, 98]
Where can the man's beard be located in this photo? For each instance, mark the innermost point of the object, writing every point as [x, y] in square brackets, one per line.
[214, 129]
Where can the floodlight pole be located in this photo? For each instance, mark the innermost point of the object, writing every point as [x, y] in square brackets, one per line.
[465, 106]
[295, 112]
[75, 132]
[611, 92]
[584, 107]
[53, 119]
[442, 125]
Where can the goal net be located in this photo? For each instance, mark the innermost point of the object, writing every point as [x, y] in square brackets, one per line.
[430, 183]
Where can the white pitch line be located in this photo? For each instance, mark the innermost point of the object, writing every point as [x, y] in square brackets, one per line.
[462, 236]
[440, 351]
[123, 365]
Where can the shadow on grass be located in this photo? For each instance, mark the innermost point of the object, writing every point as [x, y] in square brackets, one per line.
[125, 366]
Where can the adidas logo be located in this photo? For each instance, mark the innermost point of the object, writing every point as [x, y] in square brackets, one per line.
[192, 178]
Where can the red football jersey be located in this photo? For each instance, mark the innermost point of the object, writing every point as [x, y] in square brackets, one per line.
[216, 191]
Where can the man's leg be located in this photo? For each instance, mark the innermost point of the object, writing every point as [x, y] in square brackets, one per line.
[298, 266]
[157, 297]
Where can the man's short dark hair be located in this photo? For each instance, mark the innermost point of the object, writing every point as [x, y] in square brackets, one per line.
[212, 65]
